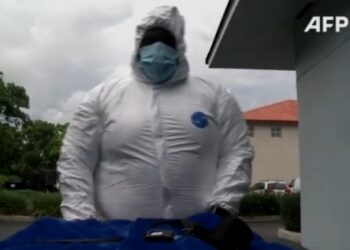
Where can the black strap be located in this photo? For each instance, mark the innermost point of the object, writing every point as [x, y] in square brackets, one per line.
[192, 228]
[220, 211]
[231, 234]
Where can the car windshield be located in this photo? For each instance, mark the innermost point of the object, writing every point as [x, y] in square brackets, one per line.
[277, 185]
[258, 186]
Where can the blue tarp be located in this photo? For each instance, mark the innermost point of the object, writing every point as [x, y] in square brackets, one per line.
[128, 235]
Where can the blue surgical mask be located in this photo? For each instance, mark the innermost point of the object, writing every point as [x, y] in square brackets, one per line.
[158, 61]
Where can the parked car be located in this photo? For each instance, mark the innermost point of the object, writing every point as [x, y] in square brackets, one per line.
[15, 185]
[43, 180]
[295, 185]
[271, 186]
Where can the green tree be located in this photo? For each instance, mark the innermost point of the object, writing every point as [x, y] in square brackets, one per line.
[25, 145]
[41, 145]
[13, 99]
[10, 144]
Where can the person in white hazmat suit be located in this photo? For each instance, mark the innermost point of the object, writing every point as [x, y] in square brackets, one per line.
[157, 144]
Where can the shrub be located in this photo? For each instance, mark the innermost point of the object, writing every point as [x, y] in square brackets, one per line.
[28, 194]
[12, 203]
[290, 211]
[32, 203]
[256, 204]
[3, 179]
[47, 204]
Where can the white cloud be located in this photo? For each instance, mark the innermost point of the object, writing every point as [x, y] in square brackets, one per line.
[65, 109]
[59, 49]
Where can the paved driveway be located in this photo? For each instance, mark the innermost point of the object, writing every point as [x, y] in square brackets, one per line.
[269, 232]
[7, 228]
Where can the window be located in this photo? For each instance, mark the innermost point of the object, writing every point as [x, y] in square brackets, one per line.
[276, 185]
[251, 131]
[259, 186]
[276, 132]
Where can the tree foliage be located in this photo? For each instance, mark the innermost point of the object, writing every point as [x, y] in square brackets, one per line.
[25, 145]
[41, 143]
[10, 144]
[13, 99]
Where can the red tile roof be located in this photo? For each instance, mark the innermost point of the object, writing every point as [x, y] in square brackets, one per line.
[285, 111]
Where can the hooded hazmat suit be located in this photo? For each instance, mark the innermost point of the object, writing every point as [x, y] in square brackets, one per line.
[136, 149]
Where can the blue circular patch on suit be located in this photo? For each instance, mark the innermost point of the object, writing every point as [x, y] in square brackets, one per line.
[199, 119]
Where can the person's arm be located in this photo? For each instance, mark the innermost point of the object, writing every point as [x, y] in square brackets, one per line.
[78, 158]
[236, 154]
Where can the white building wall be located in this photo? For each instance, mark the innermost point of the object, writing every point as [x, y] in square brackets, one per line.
[275, 157]
[324, 129]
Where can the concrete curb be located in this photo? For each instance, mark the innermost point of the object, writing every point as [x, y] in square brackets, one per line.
[17, 218]
[288, 235]
[261, 219]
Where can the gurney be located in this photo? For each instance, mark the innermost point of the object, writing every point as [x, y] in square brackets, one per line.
[53, 234]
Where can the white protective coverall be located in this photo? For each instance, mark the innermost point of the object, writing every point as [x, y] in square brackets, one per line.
[135, 149]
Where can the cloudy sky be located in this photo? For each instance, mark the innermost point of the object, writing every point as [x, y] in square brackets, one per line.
[59, 49]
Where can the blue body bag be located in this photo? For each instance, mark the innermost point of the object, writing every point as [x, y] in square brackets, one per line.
[53, 234]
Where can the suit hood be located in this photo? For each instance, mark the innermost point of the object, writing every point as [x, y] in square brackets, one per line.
[167, 17]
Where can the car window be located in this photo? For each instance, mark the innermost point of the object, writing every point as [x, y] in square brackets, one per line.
[276, 185]
[280, 186]
[258, 186]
